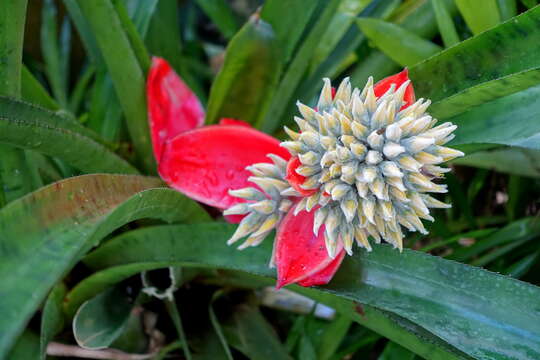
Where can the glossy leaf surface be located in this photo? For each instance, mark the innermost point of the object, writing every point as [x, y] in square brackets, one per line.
[447, 299]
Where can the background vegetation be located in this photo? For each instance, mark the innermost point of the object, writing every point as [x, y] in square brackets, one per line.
[72, 86]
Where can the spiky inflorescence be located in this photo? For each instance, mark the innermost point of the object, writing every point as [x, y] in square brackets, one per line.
[369, 164]
[266, 208]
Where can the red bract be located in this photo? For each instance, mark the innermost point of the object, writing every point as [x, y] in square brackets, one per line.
[172, 107]
[295, 179]
[206, 163]
[300, 255]
[382, 86]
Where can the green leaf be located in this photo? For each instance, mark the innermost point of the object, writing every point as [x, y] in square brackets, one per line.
[52, 318]
[507, 9]
[34, 92]
[133, 36]
[504, 50]
[26, 347]
[512, 160]
[30, 127]
[480, 15]
[141, 11]
[221, 14]
[524, 229]
[332, 337]
[257, 339]
[11, 46]
[289, 19]
[386, 324]
[101, 320]
[485, 92]
[125, 71]
[417, 17]
[445, 23]
[244, 86]
[52, 56]
[62, 222]
[400, 45]
[297, 68]
[172, 309]
[166, 21]
[343, 19]
[510, 120]
[393, 351]
[495, 307]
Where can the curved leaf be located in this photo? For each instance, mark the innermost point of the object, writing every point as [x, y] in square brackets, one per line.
[387, 324]
[479, 15]
[510, 120]
[485, 92]
[101, 320]
[52, 318]
[248, 78]
[63, 221]
[478, 312]
[512, 160]
[402, 46]
[30, 127]
[510, 47]
[126, 73]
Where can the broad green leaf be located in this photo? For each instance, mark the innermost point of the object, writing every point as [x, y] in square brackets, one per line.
[485, 92]
[510, 120]
[386, 324]
[480, 15]
[445, 23]
[52, 317]
[100, 320]
[220, 12]
[504, 50]
[294, 73]
[402, 284]
[30, 127]
[510, 160]
[125, 71]
[289, 19]
[62, 222]
[244, 86]
[400, 45]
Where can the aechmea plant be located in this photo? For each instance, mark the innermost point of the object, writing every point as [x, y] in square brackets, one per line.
[362, 164]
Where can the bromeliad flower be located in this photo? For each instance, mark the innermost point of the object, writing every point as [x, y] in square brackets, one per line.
[363, 164]
[205, 162]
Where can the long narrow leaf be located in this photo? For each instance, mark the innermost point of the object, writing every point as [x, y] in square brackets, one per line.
[403, 284]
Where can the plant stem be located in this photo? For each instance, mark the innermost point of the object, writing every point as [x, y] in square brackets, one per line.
[172, 309]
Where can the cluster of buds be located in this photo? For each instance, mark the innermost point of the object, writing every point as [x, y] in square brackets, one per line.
[364, 164]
